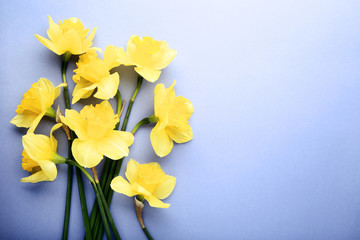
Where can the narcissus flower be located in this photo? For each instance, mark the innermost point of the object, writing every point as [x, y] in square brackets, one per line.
[40, 156]
[147, 55]
[94, 127]
[68, 36]
[172, 115]
[36, 103]
[93, 72]
[147, 180]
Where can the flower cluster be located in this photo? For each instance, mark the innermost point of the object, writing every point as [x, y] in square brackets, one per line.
[93, 133]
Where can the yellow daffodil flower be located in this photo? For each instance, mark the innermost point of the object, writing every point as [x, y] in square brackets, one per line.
[147, 55]
[68, 36]
[93, 72]
[40, 156]
[147, 180]
[96, 137]
[172, 115]
[36, 103]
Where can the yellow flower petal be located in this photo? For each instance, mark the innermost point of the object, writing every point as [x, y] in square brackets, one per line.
[37, 146]
[131, 171]
[111, 57]
[36, 177]
[74, 121]
[124, 58]
[115, 144]
[24, 119]
[86, 153]
[120, 185]
[165, 188]
[108, 87]
[54, 32]
[160, 141]
[148, 73]
[164, 57]
[49, 169]
[180, 134]
[83, 89]
[35, 122]
[163, 96]
[70, 42]
[53, 142]
[155, 202]
[47, 43]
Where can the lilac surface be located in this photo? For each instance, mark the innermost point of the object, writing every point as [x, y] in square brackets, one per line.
[276, 91]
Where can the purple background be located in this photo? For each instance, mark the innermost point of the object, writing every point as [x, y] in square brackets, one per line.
[276, 90]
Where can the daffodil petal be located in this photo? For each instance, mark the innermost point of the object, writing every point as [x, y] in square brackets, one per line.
[155, 202]
[163, 58]
[86, 153]
[131, 170]
[36, 122]
[149, 74]
[49, 169]
[180, 134]
[24, 119]
[47, 43]
[164, 188]
[108, 87]
[111, 58]
[53, 141]
[163, 96]
[160, 141]
[71, 42]
[37, 146]
[46, 91]
[75, 122]
[36, 177]
[124, 58]
[83, 89]
[88, 41]
[115, 144]
[120, 185]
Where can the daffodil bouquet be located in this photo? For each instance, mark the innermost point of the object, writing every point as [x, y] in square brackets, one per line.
[93, 133]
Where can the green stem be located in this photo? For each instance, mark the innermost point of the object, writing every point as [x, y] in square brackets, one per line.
[68, 196]
[108, 214]
[102, 212]
[147, 234]
[128, 111]
[97, 194]
[65, 62]
[66, 58]
[146, 120]
[82, 196]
